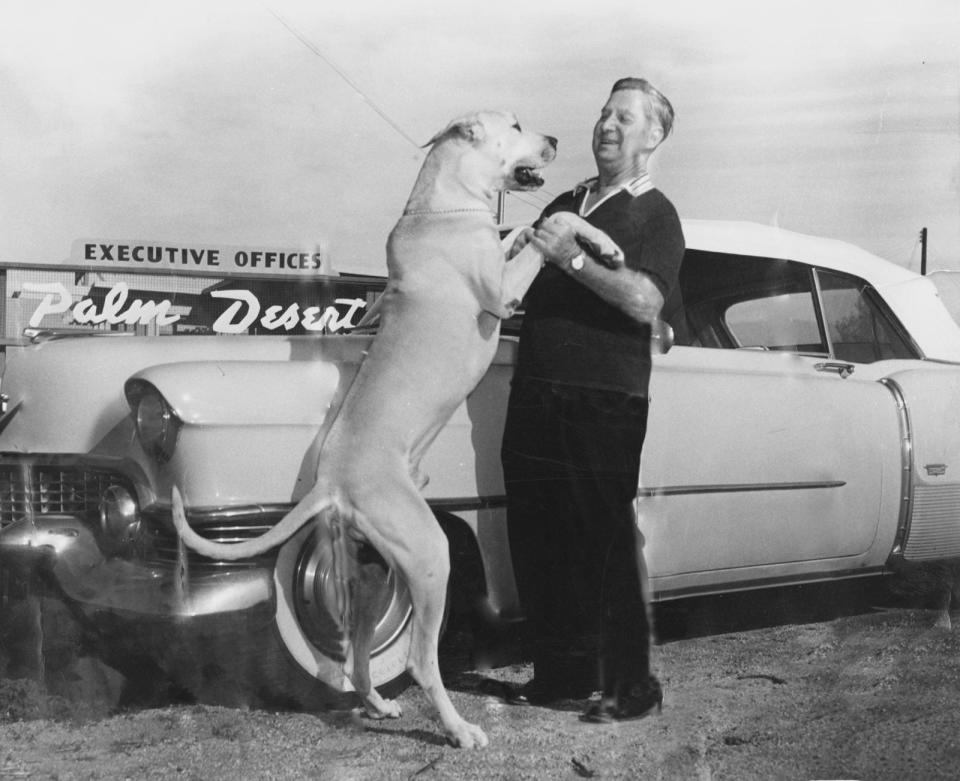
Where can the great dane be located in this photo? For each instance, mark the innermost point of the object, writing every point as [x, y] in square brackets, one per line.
[449, 286]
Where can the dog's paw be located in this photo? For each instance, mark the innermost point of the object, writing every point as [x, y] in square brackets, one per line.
[467, 735]
[516, 240]
[382, 709]
[601, 247]
[611, 257]
[597, 243]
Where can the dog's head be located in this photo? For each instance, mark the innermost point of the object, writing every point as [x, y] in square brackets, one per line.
[512, 156]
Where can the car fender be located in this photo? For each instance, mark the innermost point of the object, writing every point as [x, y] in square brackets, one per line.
[928, 528]
[246, 393]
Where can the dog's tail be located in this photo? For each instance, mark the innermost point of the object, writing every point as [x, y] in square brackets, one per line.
[307, 508]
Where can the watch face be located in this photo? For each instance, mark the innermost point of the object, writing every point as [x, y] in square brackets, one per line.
[577, 263]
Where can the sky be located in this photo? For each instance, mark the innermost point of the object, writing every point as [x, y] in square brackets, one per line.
[299, 124]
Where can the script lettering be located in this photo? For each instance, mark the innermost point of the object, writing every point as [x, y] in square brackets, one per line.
[56, 301]
[288, 320]
[225, 323]
[243, 311]
[116, 310]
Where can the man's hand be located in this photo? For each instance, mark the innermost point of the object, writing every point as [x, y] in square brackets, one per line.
[632, 292]
[557, 241]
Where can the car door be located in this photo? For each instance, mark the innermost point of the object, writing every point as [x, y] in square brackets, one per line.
[768, 457]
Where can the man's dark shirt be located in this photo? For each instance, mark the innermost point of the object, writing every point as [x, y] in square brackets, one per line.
[572, 336]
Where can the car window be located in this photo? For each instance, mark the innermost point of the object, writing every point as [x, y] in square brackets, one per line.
[861, 327]
[742, 302]
[787, 321]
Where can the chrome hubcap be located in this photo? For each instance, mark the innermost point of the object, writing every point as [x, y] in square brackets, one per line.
[315, 601]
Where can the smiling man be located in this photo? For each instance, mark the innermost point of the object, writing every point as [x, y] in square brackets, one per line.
[577, 418]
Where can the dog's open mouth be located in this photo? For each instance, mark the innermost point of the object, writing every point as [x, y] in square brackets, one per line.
[527, 176]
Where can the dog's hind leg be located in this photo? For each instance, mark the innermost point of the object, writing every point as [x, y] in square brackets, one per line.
[420, 552]
[367, 584]
[428, 594]
[358, 574]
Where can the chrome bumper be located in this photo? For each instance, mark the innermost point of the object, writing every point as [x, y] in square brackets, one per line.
[64, 548]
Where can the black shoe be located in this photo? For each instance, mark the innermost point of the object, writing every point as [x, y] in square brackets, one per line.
[638, 703]
[532, 692]
[508, 692]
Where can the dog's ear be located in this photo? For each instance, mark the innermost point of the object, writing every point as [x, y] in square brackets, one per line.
[469, 128]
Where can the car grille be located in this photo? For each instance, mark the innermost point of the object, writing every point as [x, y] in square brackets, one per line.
[44, 489]
[165, 545]
[935, 524]
[51, 490]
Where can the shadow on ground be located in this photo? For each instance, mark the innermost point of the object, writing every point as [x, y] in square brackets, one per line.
[464, 665]
[68, 677]
[765, 608]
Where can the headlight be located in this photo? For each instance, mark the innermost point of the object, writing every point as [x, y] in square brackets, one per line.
[119, 515]
[157, 425]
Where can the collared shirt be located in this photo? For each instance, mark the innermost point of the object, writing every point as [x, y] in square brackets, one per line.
[572, 336]
[636, 186]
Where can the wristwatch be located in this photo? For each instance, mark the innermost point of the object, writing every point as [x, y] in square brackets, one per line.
[577, 263]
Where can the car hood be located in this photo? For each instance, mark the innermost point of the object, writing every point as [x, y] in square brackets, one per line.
[67, 396]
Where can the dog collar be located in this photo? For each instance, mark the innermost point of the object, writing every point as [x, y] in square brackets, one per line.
[416, 212]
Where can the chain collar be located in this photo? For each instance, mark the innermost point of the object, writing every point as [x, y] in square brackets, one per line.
[414, 212]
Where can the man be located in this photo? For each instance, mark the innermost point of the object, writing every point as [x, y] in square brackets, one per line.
[577, 418]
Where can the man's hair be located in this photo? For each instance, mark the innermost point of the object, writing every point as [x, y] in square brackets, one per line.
[656, 101]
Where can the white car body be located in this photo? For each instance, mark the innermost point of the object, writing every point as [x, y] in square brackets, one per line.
[805, 427]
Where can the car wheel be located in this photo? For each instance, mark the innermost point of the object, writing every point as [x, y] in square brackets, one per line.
[306, 605]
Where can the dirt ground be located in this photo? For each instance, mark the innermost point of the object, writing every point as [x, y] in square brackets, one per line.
[809, 683]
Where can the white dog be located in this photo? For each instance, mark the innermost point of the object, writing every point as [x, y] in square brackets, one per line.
[449, 287]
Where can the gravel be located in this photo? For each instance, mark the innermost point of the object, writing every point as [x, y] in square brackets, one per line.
[813, 683]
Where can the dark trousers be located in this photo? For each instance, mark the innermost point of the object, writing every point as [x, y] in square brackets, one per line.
[571, 462]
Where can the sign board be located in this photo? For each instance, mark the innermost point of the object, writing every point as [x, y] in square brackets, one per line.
[64, 297]
[117, 307]
[123, 255]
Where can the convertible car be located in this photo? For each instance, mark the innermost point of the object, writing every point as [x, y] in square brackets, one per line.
[805, 426]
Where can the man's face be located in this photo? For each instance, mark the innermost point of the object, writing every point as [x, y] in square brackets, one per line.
[623, 133]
